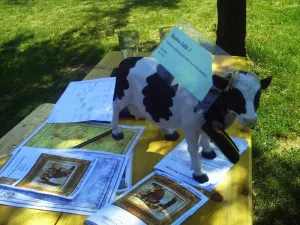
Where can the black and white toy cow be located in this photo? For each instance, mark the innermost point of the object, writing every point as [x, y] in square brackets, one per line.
[168, 105]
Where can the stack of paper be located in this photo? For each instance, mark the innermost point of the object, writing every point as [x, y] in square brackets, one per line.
[59, 136]
[46, 172]
[52, 177]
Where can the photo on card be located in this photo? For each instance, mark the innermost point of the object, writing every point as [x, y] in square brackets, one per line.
[158, 201]
[55, 174]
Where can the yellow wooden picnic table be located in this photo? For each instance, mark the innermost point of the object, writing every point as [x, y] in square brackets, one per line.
[235, 189]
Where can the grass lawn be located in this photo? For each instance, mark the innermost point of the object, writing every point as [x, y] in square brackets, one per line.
[46, 44]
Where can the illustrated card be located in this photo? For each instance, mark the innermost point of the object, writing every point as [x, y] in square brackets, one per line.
[99, 189]
[47, 171]
[158, 199]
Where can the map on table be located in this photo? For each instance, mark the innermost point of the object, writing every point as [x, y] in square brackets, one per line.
[69, 135]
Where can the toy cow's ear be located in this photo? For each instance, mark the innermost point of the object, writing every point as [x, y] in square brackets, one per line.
[220, 82]
[265, 83]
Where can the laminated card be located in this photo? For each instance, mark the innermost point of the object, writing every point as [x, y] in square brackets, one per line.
[47, 172]
[99, 189]
[155, 200]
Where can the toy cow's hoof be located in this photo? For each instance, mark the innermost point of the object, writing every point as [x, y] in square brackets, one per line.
[201, 178]
[117, 136]
[172, 137]
[209, 155]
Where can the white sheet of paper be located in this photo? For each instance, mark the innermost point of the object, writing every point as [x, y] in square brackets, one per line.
[47, 172]
[99, 189]
[85, 101]
[178, 164]
[115, 215]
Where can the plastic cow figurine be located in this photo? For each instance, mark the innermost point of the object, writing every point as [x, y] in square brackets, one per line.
[168, 105]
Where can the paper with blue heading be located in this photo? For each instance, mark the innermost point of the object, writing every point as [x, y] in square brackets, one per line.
[187, 61]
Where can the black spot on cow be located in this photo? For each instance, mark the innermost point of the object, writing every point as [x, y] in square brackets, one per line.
[235, 101]
[256, 99]
[231, 100]
[158, 97]
[121, 74]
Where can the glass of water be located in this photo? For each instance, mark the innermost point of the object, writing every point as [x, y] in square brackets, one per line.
[129, 43]
[163, 32]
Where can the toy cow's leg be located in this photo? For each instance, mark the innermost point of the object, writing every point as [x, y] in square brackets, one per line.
[192, 138]
[207, 151]
[117, 133]
[170, 134]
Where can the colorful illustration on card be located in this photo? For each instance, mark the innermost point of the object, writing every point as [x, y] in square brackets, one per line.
[158, 201]
[55, 174]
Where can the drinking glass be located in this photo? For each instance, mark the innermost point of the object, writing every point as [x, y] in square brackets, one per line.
[129, 43]
[163, 32]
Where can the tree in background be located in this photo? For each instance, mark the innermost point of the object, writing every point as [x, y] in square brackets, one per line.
[231, 31]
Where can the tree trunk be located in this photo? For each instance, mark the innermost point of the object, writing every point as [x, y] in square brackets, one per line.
[231, 31]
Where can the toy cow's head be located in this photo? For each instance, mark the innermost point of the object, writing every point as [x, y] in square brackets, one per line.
[242, 91]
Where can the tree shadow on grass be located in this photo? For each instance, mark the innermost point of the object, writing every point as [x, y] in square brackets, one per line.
[276, 171]
[41, 72]
[277, 191]
[118, 16]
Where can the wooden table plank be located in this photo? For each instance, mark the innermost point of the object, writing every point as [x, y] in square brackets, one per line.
[22, 130]
[17, 216]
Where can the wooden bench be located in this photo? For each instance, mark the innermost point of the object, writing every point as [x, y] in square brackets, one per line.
[236, 188]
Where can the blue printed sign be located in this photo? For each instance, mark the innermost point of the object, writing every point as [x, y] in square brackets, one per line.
[187, 61]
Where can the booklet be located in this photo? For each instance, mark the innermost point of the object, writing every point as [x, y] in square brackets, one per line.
[99, 189]
[155, 200]
[84, 101]
[68, 135]
[47, 172]
[178, 163]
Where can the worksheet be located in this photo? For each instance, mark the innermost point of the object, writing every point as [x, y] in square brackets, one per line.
[84, 101]
[157, 199]
[47, 172]
[178, 164]
[99, 189]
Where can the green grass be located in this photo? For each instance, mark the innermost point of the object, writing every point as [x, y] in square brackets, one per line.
[273, 46]
[46, 44]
